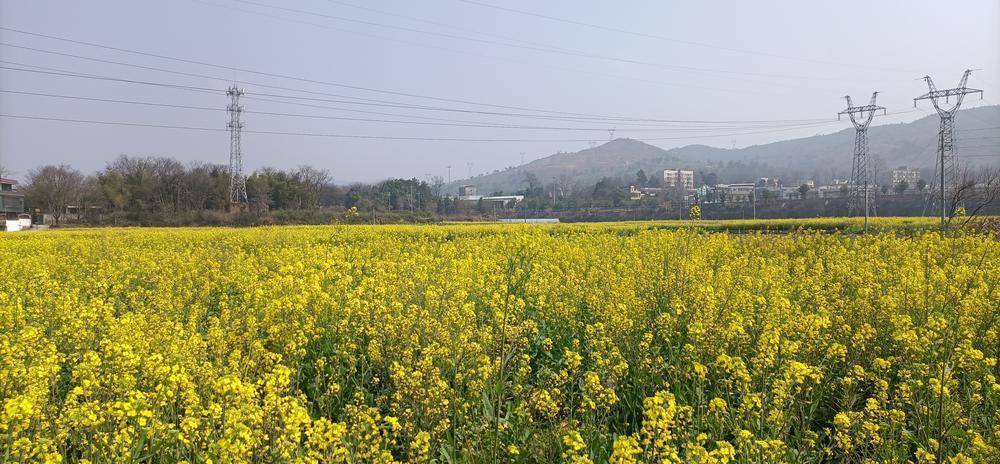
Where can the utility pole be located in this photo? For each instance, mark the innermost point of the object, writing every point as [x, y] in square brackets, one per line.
[876, 191]
[237, 181]
[947, 149]
[860, 169]
[680, 197]
[553, 192]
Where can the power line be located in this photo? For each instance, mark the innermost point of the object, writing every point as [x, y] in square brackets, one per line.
[188, 74]
[991, 145]
[387, 103]
[352, 136]
[580, 115]
[313, 116]
[645, 127]
[63, 73]
[105, 78]
[119, 63]
[477, 55]
[295, 78]
[668, 39]
[110, 100]
[924, 151]
[282, 76]
[510, 126]
[664, 122]
[367, 102]
[538, 48]
[491, 57]
[515, 39]
[642, 127]
[559, 118]
[111, 123]
[432, 22]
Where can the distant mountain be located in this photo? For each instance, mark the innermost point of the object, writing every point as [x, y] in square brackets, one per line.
[820, 157]
[615, 158]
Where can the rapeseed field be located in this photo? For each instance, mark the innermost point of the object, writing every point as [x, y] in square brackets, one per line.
[484, 344]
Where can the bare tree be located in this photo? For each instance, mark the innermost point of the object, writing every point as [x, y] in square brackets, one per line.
[565, 184]
[168, 186]
[54, 188]
[206, 186]
[437, 185]
[91, 197]
[312, 181]
[977, 189]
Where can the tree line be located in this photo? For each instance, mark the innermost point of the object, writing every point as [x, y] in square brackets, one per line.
[146, 189]
[152, 190]
[134, 190]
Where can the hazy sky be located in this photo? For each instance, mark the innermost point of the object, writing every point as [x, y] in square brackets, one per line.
[705, 60]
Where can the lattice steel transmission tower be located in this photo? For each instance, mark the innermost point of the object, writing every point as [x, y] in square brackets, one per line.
[947, 149]
[862, 180]
[237, 180]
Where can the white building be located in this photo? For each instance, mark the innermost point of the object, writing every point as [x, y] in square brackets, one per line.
[11, 205]
[769, 182]
[638, 193]
[673, 178]
[503, 199]
[831, 191]
[904, 174]
[739, 193]
[790, 193]
[467, 192]
[634, 193]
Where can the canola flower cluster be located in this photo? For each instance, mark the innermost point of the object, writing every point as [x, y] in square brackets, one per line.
[514, 344]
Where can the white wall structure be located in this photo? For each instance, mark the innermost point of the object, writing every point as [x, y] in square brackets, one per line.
[678, 177]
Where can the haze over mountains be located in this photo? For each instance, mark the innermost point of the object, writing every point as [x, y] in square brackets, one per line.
[821, 157]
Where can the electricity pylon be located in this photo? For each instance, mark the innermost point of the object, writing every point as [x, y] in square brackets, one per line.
[947, 149]
[237, 181]
[862, 181]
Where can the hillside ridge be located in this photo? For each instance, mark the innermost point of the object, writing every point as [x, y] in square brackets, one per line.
[820, 157]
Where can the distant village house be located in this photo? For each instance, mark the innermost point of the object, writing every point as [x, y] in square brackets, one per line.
[673, 178]
[12, 206]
